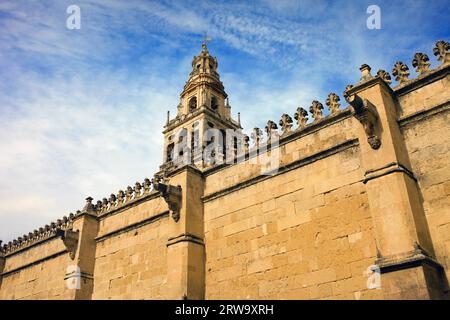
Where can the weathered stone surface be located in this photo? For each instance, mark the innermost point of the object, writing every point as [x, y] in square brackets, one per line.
[335, 207]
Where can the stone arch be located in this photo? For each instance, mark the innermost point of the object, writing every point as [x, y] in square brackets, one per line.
[192, 103]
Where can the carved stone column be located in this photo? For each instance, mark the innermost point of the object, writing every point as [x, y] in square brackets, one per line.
[185, 246]
[405, 251]
[81, 246]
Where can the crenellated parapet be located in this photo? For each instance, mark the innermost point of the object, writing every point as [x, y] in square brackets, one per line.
[301, 117]
[123, 197]
[38, 235]
[421, 64]
[64, 227]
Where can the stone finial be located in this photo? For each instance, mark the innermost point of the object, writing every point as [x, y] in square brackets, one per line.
[256, 136]
[347, 87]
[421, 63]
[333, 103]
[98, 206]
[316, 110]
[137, 189]
[105, 204]
[271, 129]
[112, 200]
[89, 206]
[384, 75]
[155, 180]
[129, 193]
[147, 184]
[301, 116]
[400, 72]
[286, 123]
[120, 197]
[365, 72]
[441, 51]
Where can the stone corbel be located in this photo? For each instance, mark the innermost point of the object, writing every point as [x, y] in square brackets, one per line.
[70, 240]
[367, 115]
[172, 195]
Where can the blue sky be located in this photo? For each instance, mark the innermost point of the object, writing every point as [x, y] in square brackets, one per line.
[81, 111]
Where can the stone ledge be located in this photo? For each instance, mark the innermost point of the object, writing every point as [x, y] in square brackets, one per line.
[387, 169]
[52, 256]
[132, 226]
[423, 114]
[423, 80]
[289, 167]
[185, 237]
[131, 203]
[297, 134]
[414, 258]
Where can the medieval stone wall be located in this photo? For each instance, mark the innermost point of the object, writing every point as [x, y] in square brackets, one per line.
[305, 233]
[36, 273]
[130, 259]
[425, 124]
[366, 185]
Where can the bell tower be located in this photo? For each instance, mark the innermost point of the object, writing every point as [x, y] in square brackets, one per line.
[203, 115]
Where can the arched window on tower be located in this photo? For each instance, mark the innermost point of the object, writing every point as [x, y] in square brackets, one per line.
[214, 104]
[192, 104]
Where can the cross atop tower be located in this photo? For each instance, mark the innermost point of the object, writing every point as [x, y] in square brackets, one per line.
[206, 39]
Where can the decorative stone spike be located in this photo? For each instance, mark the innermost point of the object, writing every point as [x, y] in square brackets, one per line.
[147, 185]
[421, 63]
[89, 207]
[347, 87]
[155, 180]
[256, 136]
[120, 197]
[333, 103]
[365, 72]
[400, 72]
[286, 123]
[98, 206]
[384, 75]
[137, 190]
[129, 193]
[441, 51]
[316, 110]
[105, 204]
[271, 129]
[112, 200]
[301, 116]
